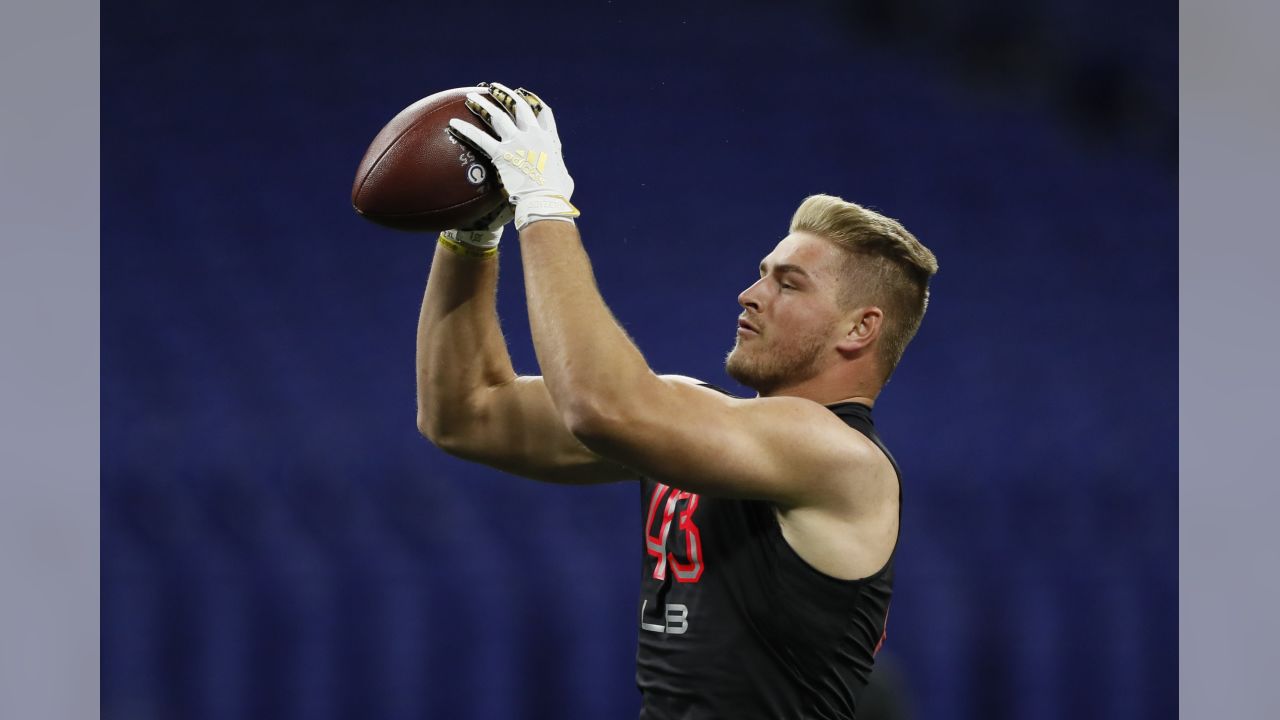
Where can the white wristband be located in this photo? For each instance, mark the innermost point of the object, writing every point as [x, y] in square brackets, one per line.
[479, 239]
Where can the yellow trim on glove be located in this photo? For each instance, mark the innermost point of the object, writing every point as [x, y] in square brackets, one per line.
[467, 250]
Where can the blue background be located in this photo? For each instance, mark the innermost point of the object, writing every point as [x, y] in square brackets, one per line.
[279, 542]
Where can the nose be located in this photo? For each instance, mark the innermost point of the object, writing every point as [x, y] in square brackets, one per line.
[750, 298]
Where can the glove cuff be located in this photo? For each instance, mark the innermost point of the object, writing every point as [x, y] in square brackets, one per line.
[482, 239]
[544, 207]
[471, 243]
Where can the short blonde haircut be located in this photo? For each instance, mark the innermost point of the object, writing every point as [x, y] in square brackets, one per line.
[887, 267]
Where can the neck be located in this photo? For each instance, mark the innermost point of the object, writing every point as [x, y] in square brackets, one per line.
[826, 391]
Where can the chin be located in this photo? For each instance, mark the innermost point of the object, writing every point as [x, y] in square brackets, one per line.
[765, 372]
[744, 371]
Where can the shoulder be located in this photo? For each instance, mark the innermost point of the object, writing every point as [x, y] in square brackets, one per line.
[786, 450]
[851, 474]
[790, 417]
[811, 454]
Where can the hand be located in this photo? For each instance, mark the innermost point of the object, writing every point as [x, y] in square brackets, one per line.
[481, 238]
[527, 154]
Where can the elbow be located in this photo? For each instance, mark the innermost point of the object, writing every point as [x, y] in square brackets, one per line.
[428, 427]
[440, 433]
[595, 424]
[457, 427]
[438, 420]
[605, 420]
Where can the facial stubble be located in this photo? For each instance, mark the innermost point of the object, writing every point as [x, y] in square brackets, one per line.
[767, 365]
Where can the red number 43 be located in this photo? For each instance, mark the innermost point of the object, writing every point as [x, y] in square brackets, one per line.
[678, 508]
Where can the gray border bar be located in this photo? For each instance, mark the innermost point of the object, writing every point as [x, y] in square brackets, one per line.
[1229, 579]
[49, 339]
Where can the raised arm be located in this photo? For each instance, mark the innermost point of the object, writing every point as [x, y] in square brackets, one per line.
[471, 403]
[787, 450]
[835, 493]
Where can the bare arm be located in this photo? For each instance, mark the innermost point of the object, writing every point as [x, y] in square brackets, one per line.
[471, 403]
[787, 450]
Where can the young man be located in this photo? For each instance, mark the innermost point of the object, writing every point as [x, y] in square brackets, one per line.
[770, 522]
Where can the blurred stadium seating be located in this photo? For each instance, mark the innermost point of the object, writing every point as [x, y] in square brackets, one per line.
[279, 543]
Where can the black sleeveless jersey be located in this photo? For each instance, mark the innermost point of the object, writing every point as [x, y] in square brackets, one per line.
[734, 625]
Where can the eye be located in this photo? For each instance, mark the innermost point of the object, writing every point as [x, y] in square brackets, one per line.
[788, 286]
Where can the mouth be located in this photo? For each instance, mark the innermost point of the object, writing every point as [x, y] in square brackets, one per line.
[746, 328]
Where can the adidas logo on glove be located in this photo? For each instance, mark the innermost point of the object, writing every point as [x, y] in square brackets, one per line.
[529, 162]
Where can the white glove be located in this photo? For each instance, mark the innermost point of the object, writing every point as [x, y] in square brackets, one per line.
[481, 238]
[527, 156]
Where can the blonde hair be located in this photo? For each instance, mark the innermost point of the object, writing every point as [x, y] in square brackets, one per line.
[887, 266]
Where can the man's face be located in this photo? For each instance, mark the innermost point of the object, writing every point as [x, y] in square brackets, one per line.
[790, 322]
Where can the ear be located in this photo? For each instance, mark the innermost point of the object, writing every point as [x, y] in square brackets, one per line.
[863, 327]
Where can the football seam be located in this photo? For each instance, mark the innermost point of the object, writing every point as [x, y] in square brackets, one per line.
[387, 149]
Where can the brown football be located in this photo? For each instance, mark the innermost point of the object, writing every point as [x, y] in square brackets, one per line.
[416, 176]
